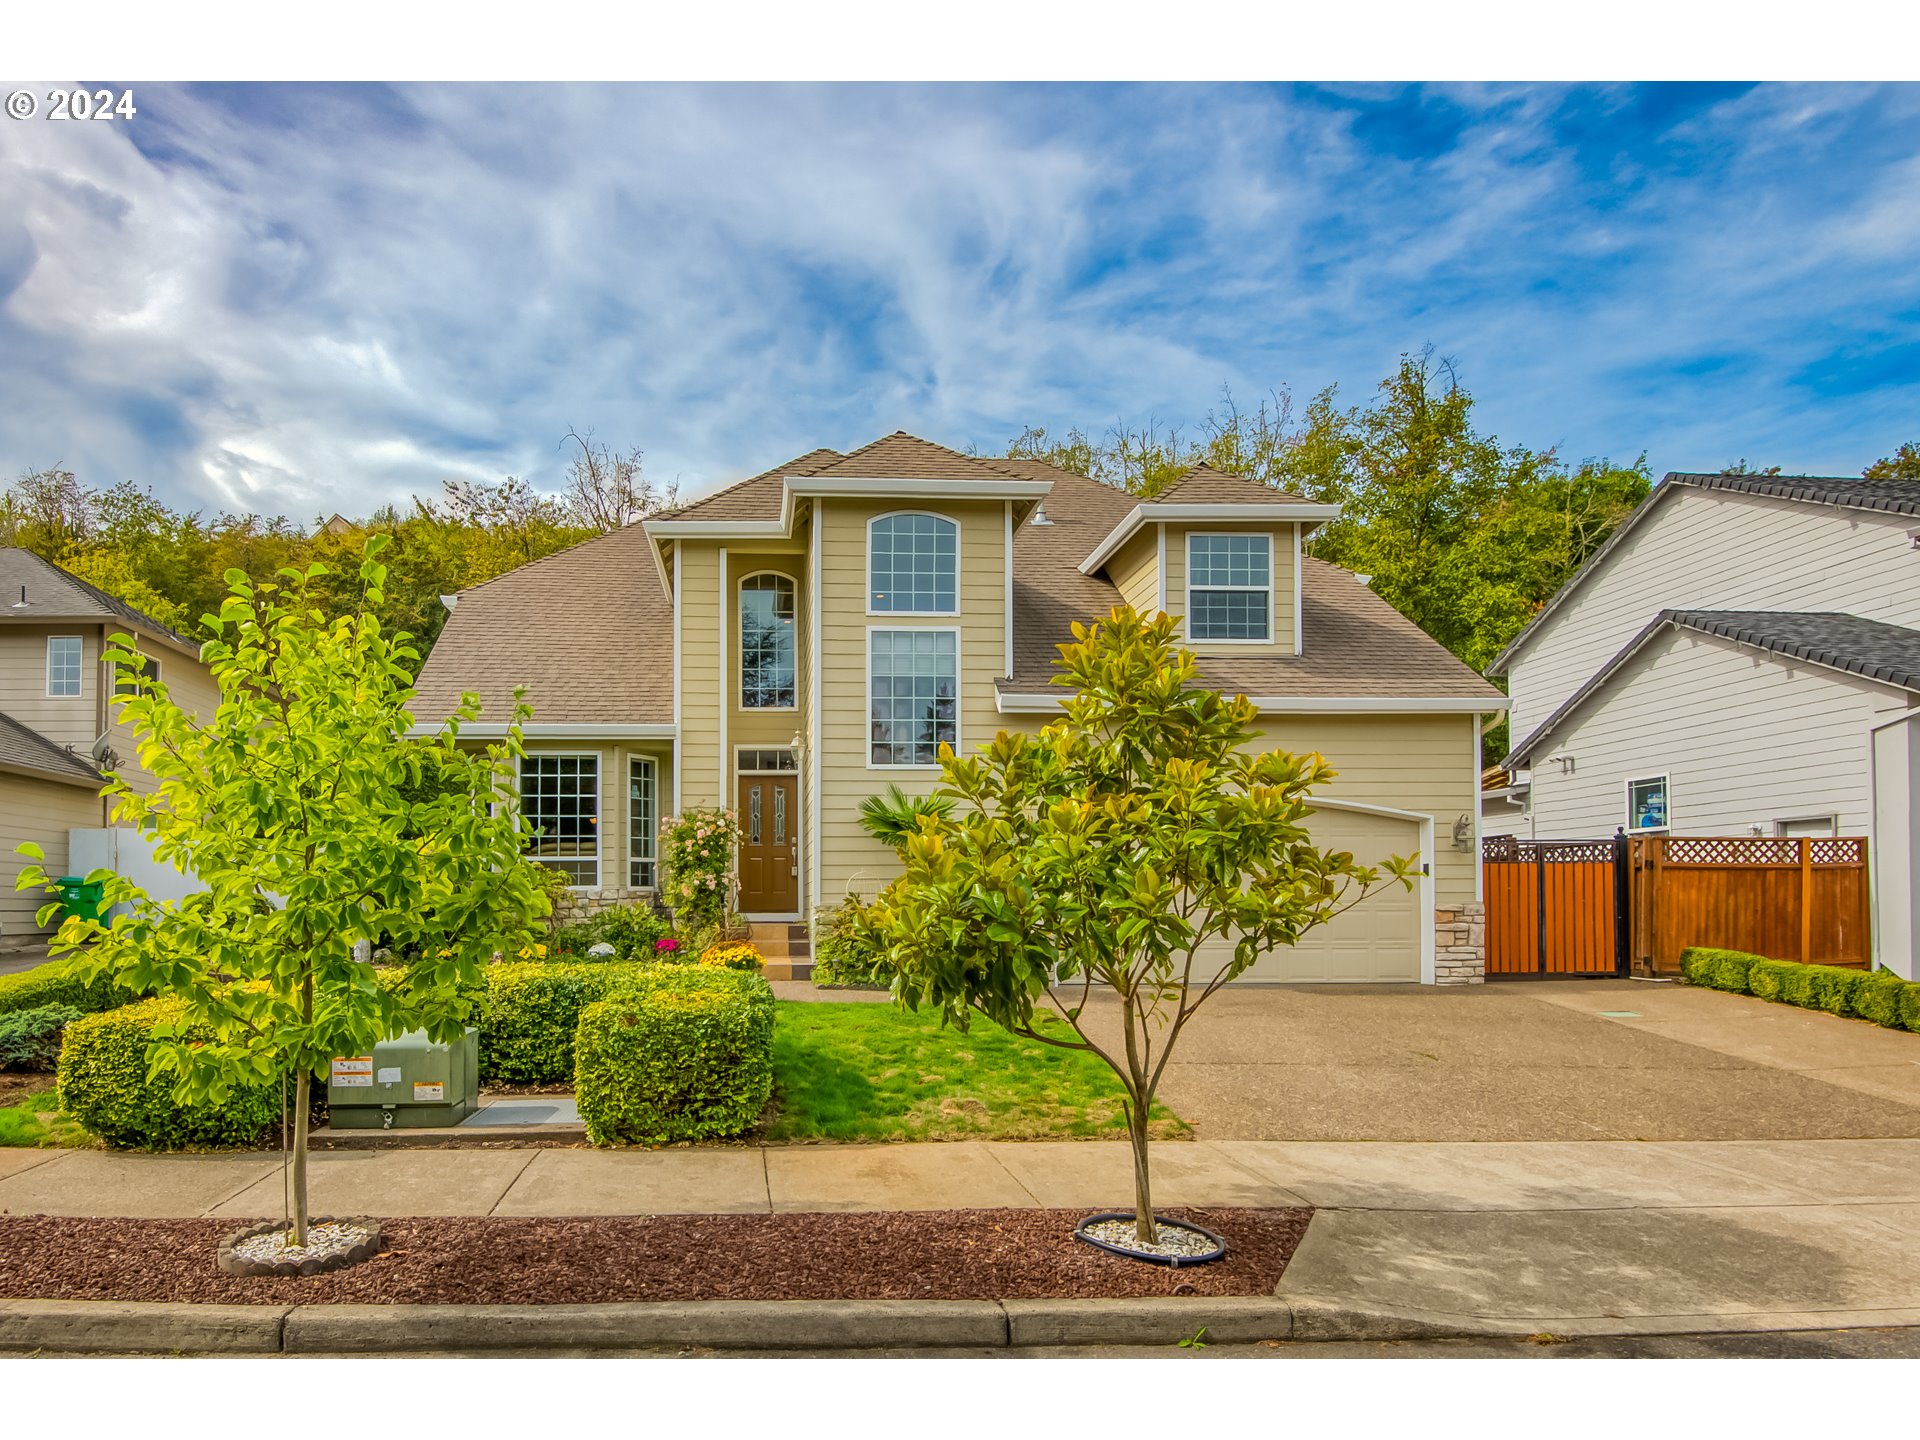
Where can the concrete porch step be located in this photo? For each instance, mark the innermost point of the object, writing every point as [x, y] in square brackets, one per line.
[781, 940]
[789, 969]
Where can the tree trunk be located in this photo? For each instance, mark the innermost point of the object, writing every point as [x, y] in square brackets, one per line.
[301, 1101]
[1144, 1229]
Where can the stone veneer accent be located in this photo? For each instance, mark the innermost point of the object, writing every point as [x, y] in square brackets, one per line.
[575, 905]
[1460, 945]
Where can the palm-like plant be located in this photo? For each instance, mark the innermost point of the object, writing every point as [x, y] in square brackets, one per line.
[892, 817]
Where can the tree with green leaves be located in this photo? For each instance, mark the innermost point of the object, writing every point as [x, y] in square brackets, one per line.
[317, 820]
[1134, 848]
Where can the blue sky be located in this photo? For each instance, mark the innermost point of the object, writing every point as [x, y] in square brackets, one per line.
[303, 298]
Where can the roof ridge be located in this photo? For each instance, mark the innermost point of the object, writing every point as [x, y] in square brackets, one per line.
[555, 555]
[920, 440]
[742, 484]
[113, 603]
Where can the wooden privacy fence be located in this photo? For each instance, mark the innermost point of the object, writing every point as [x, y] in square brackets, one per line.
[1554, 906]
[1603, 907]
[1790, 899]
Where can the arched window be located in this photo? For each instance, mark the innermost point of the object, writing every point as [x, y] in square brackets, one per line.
[766, 643]
[911, 564]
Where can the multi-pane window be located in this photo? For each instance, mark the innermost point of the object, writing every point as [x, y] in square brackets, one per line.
[640, 824]
[1647, 803]
[754, 761]
[560, 797]
[766, 643]
[910, 565]
[63, 666]
[914, 683]
[125, 681]
[1229, 587]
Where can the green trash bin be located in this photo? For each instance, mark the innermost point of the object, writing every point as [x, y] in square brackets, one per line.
[79, 896]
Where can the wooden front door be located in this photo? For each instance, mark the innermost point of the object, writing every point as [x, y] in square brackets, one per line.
[769, 844]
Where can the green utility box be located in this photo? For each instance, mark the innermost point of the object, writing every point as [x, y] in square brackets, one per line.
[79, 896]
[407, 1083]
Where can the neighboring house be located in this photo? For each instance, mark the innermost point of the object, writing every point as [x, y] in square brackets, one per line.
[1742, 657]
[1503, 807]
[789, 646]
[58, 729]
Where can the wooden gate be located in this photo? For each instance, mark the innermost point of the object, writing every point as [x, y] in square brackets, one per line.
[1554, 907]
[1783, 897]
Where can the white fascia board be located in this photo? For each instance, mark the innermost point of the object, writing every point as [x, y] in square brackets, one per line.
[798, 487]
[718, 529]
[475, 730]
[1009, 703]
[1154, 513]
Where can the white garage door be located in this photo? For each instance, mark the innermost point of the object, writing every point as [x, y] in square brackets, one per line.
[1378, 939]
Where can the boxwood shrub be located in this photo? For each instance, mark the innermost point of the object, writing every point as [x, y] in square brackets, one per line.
[103, 1085]
[1877, 995]
[685, 1054]
[530, 1011]
[56, 983]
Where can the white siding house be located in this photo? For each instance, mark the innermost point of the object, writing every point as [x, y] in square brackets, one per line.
[1723, 666]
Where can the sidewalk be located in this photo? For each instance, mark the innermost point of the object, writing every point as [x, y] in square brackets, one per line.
[1747, 1234]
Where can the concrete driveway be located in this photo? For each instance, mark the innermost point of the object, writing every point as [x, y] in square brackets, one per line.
[1536, 1060]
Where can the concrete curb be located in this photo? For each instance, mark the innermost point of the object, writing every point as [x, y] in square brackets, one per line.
[104, 1327]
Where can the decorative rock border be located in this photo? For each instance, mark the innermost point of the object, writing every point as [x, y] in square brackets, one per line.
[233, 1263]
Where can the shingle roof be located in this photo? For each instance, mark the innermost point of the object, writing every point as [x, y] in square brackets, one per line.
[1871, 649]
[24, 749]
[1896, 497]
[590, 630]
[1203, 485]
[56, 594]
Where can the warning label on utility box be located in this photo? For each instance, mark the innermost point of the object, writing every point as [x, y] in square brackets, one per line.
[353, 1070]
[429, 1090]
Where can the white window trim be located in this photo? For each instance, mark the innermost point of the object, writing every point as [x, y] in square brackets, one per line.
[599, 804]
[740, 669]
[653, 767]
[1626, 803]
[80, 674]
[739, 769]
[1266, 538]
[866, 578]
[1828, 818]
[866, 715]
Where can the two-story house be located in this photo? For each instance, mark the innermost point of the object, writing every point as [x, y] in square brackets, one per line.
[58, 727]
[791, 645]
[1742, 657]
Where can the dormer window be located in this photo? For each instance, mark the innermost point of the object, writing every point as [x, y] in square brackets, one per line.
[1230, 588]
[911, 565]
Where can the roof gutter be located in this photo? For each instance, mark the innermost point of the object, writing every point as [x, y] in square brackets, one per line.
[1024, 703]
[475, 730]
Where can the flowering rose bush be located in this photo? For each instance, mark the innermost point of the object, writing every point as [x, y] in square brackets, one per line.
[697, 851]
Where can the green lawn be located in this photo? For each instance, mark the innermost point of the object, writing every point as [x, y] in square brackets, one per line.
[35, 1120]
[875, 1072]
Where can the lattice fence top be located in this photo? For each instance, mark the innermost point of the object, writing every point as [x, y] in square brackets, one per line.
[1759, 850]
[1512, 849]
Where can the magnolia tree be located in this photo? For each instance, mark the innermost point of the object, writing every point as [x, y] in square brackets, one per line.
[300, 805]
[1132, 849]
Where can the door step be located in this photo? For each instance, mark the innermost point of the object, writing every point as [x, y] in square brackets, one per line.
[786, 947]
[789, 970]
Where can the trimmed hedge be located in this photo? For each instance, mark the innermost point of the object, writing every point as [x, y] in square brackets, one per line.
[55, 983]
[103, 1085]
[1876, 995]
[684, 1054]
[530, 1011]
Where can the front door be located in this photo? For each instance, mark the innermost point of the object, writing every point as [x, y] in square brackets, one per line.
[769, 844]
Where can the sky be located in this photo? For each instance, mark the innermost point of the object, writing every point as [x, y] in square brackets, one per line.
[301, 298]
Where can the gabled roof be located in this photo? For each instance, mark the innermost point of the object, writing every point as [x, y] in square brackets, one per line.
[1205, 485]
[1204, 493]
[28, 751]
[56, 594]
[1870, 649]
[1897, 497]
[901, 456]
[756, 498]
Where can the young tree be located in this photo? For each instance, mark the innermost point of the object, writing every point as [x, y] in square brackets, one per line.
[316, 820]
[1134, 847]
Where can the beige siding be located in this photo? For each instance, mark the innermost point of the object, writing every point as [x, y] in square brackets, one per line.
[41, 811]
[1135, 571]
[1744, 740]
[1710, 550]
[697, 577]
[1280, 641]
[23, 683]
[851, 859]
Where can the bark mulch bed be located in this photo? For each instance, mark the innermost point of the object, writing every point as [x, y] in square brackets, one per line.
[922, 1255]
